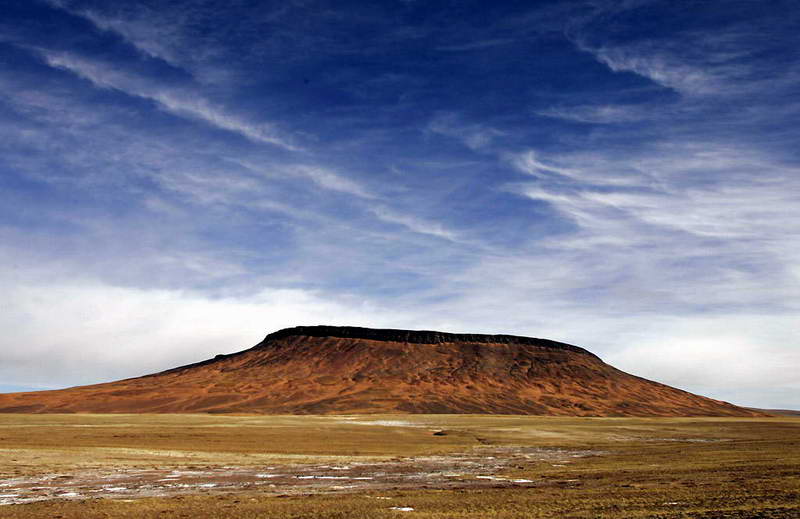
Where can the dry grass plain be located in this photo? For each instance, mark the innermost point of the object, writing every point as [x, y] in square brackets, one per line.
[164, 466]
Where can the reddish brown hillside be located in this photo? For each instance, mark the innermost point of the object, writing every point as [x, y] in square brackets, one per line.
[345, 370]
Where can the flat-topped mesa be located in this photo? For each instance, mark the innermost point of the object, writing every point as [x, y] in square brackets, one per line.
[348, 370]
[416, 337]
[320, 335]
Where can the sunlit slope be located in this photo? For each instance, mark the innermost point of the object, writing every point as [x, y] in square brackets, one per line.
[345, 370]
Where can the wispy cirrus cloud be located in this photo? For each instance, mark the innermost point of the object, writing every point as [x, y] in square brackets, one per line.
[662, 68]
[695, 62]
[477, 45]
[529, 162]
[332, 181]
[663, 220]
[475, 136]
[415, 223]
[599, 114]
[178, 101]
[155, 36]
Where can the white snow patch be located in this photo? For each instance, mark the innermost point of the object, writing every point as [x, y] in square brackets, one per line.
[402, 508]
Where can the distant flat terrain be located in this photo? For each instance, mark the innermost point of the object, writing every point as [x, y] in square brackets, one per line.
[780, 412]
[86, 466]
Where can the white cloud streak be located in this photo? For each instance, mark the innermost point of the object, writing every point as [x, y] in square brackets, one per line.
[599, 114]
[153, 36]
[529, 162]
[680, 244]
[149, 38]
[474, 136]
[180, 102]
[415, 224]
[661, 69]
[329, 180]
[693, 63]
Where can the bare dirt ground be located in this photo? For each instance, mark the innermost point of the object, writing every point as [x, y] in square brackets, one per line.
[480, 468]
[86, 466]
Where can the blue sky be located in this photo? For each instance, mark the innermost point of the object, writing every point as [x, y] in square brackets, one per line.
[178, 179]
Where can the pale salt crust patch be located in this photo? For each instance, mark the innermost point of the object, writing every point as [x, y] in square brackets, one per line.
[498, 478]
[323, 477]
[386, 423]
[403, 472]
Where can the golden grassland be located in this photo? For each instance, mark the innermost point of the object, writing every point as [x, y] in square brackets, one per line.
[646, 467]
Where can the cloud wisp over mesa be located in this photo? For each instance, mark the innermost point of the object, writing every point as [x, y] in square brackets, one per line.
[179, 179]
